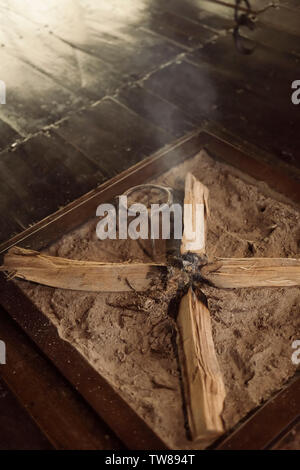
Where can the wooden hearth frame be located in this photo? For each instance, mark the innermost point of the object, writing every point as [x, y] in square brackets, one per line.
[127, 425]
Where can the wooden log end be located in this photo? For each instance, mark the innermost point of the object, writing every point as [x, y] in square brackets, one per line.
[87, 276]
[202, 379]
[230, 273]
[196, 212]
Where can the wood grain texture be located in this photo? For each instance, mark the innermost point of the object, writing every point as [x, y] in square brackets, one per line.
[131, 429]
[253, 272]
[203, 382]
[181, 30]
[209, 94]
[66, 420]
[78, 211]
[156, 110]
[265, 427]
[80, 275]
[24, 436]
[59, 62]
[196, 211]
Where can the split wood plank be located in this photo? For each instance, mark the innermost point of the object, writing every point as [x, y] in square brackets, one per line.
[203, 383]
[252, 272]
[196, 212]
[81, 275]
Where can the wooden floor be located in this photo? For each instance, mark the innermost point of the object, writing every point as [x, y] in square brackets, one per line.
[94, 86]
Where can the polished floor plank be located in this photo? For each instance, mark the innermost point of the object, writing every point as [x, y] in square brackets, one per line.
[8, 135]
[187, 87]
[71, 68]
[111, 32]
[156, 110]
[60, 412]
[113, 136]
[133, 51]
[205, 95]
[64, 167]
[291, 4]
[284, 19]
[49, 170]
[68, 56]
[33, 100]
[197, 10]
[183, 31]
[46, 173]
[40, 187]
[23, 436]
[84, 172]
[30, 194]
[267, 72]
[10, 208]
[281, 41]
[215, 9]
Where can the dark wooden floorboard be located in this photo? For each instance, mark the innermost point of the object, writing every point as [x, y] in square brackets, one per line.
[291, 440]
[11, 208]
[214, 9]
[18, 205]
[68, 172]
[77, 71]
[280, 41]
[66, 60]
[291, 4]
[206, 95]
[131, 50]
[17, 430]
[156, 110]
[284, 19]
[269, 73]
[8, 135]
[195, 10]
[44, 173]
[49, 170]
[116, 137]
[63, 416]
[33, 100]
[183, 31]
[83, 171]
[34, 191]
